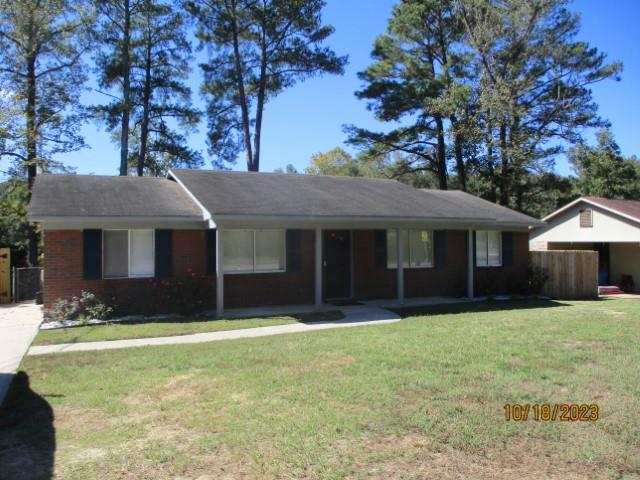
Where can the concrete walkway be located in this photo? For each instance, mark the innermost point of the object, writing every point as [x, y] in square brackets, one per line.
[355, 316]
[18, 326]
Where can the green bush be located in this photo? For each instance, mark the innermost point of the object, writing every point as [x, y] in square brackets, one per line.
[538, 276]
[85, 307]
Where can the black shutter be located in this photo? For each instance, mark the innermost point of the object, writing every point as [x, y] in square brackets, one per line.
[380, 248]
[164, 267]
[507, 249]
[91, 254]
[439, 248]
[211, 252]
[294, 253]
[475, 260]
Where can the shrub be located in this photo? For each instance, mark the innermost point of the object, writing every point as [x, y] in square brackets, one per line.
[85, 307]
[185, 295]
[538, 276]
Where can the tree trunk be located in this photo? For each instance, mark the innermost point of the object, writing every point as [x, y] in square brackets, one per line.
[504, 174]
[241, 91]
[457, 147]
[260, 104]
[32, 157]
[146, 99]
[441, 153]
[493, 194]
[126, 90]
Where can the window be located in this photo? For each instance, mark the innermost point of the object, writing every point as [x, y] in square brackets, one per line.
[417, 246]
[488, 249]
[128, 253]
[249, 251]
[586, 218]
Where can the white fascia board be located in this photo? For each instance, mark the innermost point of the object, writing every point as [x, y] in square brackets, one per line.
[362, 223]
[206, 215]
[79, 223]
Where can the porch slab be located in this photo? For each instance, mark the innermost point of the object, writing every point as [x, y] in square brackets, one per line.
[277, 310]
[415, 302]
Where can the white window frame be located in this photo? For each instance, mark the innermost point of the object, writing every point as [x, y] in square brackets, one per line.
[153, 252]
[488, 265]
[408, 252]
[253, 269]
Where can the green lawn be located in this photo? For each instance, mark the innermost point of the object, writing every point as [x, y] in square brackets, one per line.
[421, 398]
[96, 333]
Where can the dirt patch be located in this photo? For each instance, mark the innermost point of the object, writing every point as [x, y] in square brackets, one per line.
[413, 456]
[582, 344]
[322, 362]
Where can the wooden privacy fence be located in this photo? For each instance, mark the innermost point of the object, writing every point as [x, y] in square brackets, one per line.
[572, 273]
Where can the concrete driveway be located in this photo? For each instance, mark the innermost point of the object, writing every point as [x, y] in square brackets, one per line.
[18, 326]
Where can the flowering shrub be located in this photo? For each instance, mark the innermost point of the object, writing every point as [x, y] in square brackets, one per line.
[85, 307]
[186, 295]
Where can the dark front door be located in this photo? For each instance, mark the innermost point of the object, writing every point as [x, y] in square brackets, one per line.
[337, 263]
[603, 264]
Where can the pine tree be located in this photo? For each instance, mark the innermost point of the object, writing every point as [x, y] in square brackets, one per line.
[41, 77]
[115, 33]
[160, 97]
[533, 81]
[418, 78]
[257, 49]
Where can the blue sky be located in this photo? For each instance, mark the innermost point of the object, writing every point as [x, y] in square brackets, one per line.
[308, 118]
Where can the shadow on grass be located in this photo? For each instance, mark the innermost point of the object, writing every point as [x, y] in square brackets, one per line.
[469, 307]
[27, 433]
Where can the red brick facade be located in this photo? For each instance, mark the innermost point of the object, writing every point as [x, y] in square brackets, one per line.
[511, 279]
[63, 274]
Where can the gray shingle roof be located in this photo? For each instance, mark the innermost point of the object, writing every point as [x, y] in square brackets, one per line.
[249, 194]
[225, 193]
[109, 196]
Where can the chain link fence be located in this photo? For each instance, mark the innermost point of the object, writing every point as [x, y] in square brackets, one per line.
[27, 282]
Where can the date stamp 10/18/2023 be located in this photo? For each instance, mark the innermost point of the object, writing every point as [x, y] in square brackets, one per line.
[551, 412]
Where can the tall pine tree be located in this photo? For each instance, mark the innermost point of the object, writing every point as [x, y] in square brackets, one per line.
[41, 76]
[533, 80]
[257, 49]
[418, 79]
[161, 100]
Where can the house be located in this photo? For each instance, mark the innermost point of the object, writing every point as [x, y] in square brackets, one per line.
[270, 239]
[611, 227]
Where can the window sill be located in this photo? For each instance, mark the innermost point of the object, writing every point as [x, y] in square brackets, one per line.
[129, 278]
[411, 268]
[251, 272]
[489, 266]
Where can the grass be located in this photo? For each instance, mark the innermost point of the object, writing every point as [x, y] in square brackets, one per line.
[422, 398]
[95, 333]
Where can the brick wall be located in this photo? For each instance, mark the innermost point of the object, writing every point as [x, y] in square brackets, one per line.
[375, 283]
[511, 279]
[63, 274]
[291, 288]
[63, 277]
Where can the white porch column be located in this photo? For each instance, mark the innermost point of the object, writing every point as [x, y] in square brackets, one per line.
[470, 293]
[400, 265]
[219, 273]
[318, 262]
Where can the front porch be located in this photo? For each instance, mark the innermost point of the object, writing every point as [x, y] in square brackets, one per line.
[337, 266]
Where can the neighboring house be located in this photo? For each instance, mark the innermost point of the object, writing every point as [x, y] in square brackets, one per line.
[611, 227]
[272, 238]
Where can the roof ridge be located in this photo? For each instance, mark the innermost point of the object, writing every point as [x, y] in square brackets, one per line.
[89, 175]
[293, 175]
